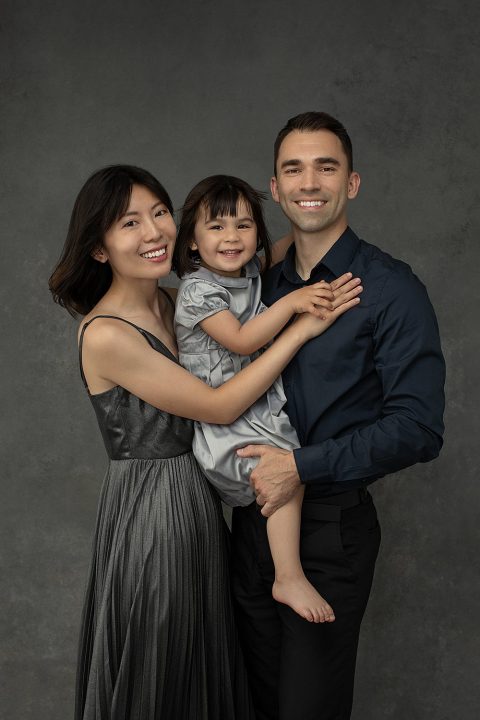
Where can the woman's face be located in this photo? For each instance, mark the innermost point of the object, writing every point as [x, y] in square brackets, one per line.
[140, 243]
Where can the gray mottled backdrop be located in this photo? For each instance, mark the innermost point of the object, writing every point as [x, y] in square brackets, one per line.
[186, 91]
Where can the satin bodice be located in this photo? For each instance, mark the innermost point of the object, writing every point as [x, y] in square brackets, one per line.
[131, 427]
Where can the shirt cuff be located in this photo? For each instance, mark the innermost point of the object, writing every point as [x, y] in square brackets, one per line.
[312, 465]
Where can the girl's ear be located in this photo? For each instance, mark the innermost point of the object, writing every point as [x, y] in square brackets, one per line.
[100, 255]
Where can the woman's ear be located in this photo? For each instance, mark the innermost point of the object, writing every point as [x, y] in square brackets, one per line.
[193, 245]
[100, 255]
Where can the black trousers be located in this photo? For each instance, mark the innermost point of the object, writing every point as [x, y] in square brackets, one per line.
[300, 670]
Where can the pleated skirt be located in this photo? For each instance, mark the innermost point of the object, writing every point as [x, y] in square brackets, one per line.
[158, 639]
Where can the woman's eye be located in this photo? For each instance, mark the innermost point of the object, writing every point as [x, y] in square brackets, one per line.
[130, 223]
[161, 212]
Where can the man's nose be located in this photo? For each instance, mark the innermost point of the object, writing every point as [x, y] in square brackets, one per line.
[310, 180]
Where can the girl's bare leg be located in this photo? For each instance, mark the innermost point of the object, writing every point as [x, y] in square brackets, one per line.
[291, 587]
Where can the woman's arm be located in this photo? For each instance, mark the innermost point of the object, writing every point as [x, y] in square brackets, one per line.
[116, 353]
[316, 299]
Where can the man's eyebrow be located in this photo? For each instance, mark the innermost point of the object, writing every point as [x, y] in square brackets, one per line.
[327, 161]
[317, 161]
[293, 161]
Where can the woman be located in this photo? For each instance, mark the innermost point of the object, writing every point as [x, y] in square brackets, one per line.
[158, 639]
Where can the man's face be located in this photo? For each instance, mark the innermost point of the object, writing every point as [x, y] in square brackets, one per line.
[313, 183]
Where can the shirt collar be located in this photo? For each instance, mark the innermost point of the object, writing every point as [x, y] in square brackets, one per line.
[337, 259]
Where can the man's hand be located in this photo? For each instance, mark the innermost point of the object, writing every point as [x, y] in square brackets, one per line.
[275, 478]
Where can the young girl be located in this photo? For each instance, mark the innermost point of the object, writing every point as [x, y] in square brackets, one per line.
[220, 325]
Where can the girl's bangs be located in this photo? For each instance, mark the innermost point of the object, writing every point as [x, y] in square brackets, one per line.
[223, 202]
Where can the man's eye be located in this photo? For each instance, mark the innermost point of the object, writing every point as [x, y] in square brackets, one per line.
[292, 171]
[327, 169]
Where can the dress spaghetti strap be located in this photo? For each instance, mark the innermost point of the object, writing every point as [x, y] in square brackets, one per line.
[111, 317]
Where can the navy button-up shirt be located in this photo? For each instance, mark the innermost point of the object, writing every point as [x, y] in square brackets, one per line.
[366, 397]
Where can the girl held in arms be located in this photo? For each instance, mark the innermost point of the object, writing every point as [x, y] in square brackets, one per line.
[221, 325]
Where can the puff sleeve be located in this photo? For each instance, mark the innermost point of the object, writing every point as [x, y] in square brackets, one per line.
[199, 299]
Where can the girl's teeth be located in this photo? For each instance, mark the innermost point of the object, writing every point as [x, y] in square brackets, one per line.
[154, 254]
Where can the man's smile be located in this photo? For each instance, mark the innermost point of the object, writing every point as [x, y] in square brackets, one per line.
[310, 203]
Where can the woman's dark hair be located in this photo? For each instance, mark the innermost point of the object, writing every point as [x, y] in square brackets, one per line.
[217, 196]
[78, 281]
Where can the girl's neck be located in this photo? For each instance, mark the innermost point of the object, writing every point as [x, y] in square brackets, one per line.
[224, 273]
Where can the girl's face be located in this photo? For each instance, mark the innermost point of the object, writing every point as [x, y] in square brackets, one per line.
[140, 243]
[225, 244]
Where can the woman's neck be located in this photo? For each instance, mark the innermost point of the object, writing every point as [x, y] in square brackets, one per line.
[132, 299]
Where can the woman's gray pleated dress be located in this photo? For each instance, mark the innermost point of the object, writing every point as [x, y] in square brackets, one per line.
[158, 639]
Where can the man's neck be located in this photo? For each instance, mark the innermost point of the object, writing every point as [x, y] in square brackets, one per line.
[310, 248]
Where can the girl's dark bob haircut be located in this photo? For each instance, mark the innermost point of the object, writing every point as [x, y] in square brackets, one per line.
[217, 196]
[78, 281]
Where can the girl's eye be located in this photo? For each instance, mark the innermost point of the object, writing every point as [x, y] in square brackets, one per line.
[215, 227]
[244, 226]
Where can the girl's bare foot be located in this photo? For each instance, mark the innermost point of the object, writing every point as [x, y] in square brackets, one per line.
[302, 597]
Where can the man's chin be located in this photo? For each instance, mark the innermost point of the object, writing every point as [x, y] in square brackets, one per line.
[309, 225]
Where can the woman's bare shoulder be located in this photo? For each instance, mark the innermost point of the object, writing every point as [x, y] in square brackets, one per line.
[106, 331]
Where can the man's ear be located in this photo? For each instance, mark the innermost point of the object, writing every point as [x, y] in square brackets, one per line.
[274, 189]
[100, 255]
[353, 185]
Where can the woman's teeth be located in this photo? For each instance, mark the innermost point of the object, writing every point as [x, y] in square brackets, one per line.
[154, 253]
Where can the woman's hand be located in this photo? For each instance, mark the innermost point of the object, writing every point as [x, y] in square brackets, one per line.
[346, 292]
[324, 296]
[343, 288]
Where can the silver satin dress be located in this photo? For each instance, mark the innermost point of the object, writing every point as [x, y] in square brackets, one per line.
[200, 295]
[158, 638]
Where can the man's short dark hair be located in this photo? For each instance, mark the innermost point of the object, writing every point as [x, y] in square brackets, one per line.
[311, 122]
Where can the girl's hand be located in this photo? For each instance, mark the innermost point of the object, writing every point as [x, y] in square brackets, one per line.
[311, 325]
[312, 299]
[324, 296]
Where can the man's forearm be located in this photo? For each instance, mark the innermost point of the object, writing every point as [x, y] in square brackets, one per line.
[389, 445]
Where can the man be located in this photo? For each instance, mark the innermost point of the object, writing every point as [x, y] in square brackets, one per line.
[366, 399]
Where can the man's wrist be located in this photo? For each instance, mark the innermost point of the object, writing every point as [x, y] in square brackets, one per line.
[297, 455]
[294, 466]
